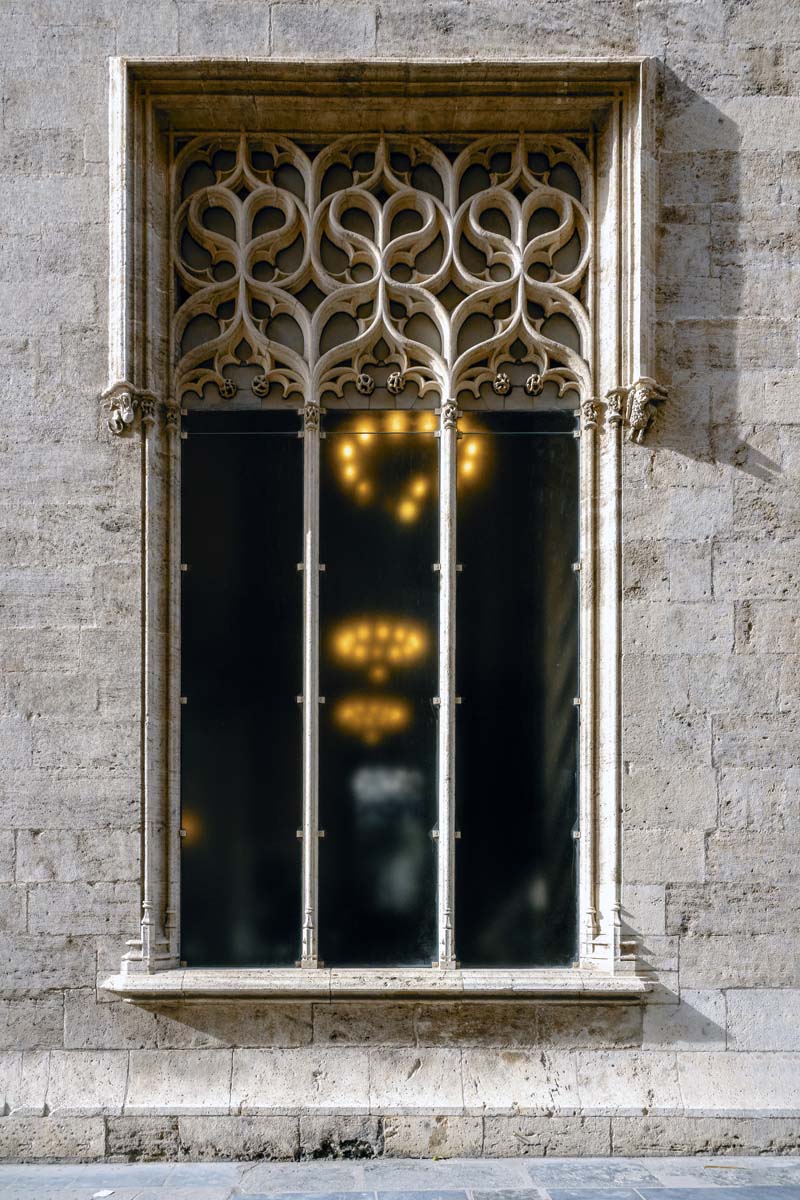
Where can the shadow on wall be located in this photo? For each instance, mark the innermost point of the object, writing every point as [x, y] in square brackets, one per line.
[717, 337]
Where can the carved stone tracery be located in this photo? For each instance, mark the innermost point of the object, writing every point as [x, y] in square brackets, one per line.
[445, 265]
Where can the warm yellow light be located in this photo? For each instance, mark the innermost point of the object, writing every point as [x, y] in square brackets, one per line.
[407, 511]
[468, 468]
[427, 422]
[364, 490]
[372, 718]
[347, 450]
[419, 487]
[376, 642]
[472, 448]
[398, 422]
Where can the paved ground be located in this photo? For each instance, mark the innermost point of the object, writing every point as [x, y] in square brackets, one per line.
[397, 1179]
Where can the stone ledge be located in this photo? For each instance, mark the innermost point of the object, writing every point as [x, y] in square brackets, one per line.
[340, 984]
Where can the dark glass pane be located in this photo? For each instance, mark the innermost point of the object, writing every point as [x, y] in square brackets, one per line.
[378, 513]
[517, 667]
[242, 511]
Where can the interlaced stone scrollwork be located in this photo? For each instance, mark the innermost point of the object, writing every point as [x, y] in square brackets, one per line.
[391, 257]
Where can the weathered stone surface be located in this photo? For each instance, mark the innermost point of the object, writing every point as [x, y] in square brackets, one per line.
[416, 1080]
[130, 1139]
[763, 1018]
[291, 1081]
[32, 1024]
[704, 1135]
[507, 1137]
[236, 1024]
[74, 1139]
[626, 1083]
[432, 1136]
[515, 1081]
[697, 1022]
[89, 1025]
[238, 1138]
[364, 1024]
[179, 1082]
[744, 1084]
[340, 1136]
[87, 1082]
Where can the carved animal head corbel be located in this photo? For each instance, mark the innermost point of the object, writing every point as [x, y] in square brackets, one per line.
[119, 403]
[642, 396]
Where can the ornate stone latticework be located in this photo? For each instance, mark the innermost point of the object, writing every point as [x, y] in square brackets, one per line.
[381, 262]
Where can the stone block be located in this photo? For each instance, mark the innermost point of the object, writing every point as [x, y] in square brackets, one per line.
[13, 908]
[752, 855]
[238, 1138]
[30, 1024]
[742, 1084]
[144, 27]
[32, 964]
[180, 1082]
[644, 907]
[432, 1136]
[498, 1082]
[663, 736]
[662, 855]
[93, 856]
[764, 740]
[645, 570]
[551, 1136]
[759, 798]
[49, 800]
[323, 30]
[734, 684]
[23, 1081]
[89, 1025]
[133, 1139]
[764, 1019]
[739, 960]
[690, 571]
[773, 627]
[68, 1139]
[339, 1137]
[697, 1022]
[738, 907]
[237, 1024]
[416, 1080]
[83, 908]
[627, 1083]
[364, 1024]
[703, 1135]
[671, 796]
[654, 683]
[296, 1080]
[87, 1082]
[659, 627]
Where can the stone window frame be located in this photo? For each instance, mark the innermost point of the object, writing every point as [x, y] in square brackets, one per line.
[612, 99]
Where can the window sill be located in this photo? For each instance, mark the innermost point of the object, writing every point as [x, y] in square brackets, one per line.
[328, 984]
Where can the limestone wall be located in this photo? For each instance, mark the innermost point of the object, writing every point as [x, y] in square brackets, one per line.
[711, 620]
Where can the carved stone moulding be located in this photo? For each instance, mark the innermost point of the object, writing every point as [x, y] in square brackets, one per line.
[635, 406]
[122, 402]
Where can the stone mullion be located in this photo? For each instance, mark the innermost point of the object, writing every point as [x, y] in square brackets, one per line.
[448, 441]
[309, 956]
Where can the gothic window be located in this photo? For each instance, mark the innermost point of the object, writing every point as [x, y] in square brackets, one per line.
[381, 346]
[378, 384]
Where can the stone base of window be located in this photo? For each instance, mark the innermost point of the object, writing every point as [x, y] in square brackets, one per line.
[281, 983]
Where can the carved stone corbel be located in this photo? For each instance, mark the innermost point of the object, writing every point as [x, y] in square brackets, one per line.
[122, 402]
[642, 396]
[119, 402]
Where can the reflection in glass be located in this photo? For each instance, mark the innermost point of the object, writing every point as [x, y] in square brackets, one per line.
[517, 671]
[242, 511]
[378, 529]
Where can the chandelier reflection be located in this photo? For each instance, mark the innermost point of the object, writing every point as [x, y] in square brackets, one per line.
[358, 465]
[372, 718]
[379, 644]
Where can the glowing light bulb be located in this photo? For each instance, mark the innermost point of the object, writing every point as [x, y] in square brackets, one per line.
[407, 510]
[419, 487]
[347, 450]
[468, 468]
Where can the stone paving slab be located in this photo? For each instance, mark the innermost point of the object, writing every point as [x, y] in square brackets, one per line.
[763, 1178]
